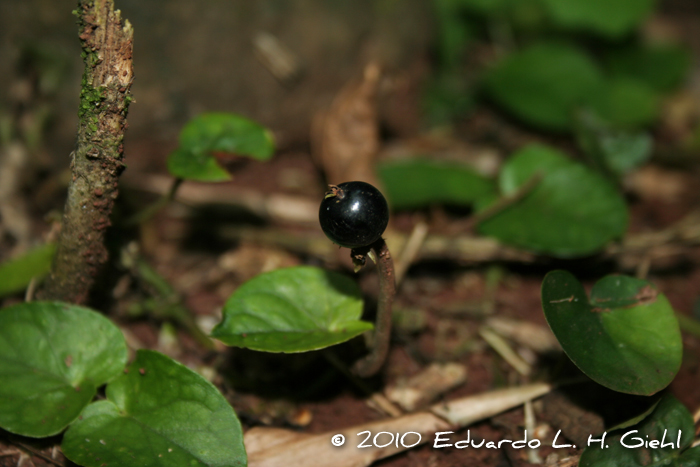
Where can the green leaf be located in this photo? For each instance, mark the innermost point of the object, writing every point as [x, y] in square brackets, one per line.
[202, 166]
[662, 67]
[53, 356]
[217, 132]
[636, 419]
[446, 97]
[625, 102]
[158, 413]
[624, 152]
[690, 458]
[544, 84]
[421, 182]
[485, 7]
[625, 338]
[573, 211]
[17, 273]
[623, 448]
[292, 310]
[517, 13]
[454, 32]
[227, 132]
[610, 150]
[610, 18]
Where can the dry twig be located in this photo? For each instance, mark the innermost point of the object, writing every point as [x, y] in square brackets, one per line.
[427, 385]
[274, 447]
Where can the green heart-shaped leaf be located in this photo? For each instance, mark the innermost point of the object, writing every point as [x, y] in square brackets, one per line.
[610, 150]
[663, 67]
[158, 413]
[53, 356]
[201, 166]
[544, 84]
[625, 102]
[609, 18]
[572, 211]
[626, 447]
[421, 182]
[217, 132]
[292, 310]
[484, 7]
[626, 337]
[17, 273]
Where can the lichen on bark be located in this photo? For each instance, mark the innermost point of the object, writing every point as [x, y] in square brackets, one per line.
[96, 163]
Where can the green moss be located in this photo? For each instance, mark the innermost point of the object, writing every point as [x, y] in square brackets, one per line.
[90, 98]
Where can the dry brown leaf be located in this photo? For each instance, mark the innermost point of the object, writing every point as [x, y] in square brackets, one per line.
[345, 138]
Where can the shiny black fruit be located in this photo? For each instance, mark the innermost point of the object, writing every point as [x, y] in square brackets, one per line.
[353, 214]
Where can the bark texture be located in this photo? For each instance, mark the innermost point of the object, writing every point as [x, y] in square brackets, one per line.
[107, 43]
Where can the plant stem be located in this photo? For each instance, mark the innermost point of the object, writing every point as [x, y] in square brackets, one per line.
[97, 160]
[151, 210]
[371, 363]
[168, 304]
[688, 324]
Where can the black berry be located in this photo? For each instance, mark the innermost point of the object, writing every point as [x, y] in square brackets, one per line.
[353, 214]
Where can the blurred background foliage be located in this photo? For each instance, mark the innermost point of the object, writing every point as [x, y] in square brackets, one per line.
[550, 58]
[592, 78]
[535, 59]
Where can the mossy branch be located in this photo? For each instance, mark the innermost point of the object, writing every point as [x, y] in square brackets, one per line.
[107, 44]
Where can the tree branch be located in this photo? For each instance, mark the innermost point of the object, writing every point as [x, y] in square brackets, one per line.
[107, 44]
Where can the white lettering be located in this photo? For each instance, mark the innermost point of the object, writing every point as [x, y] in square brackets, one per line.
[622, 440]
[437, 439]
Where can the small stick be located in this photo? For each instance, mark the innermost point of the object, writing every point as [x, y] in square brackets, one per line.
[370, 364]
[505, 351]
[533, 455]
[643, 267]
[31, 288]
[36, 452]
[410, 249]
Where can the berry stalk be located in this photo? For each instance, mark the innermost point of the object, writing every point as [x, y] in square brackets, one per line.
[372, 362]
